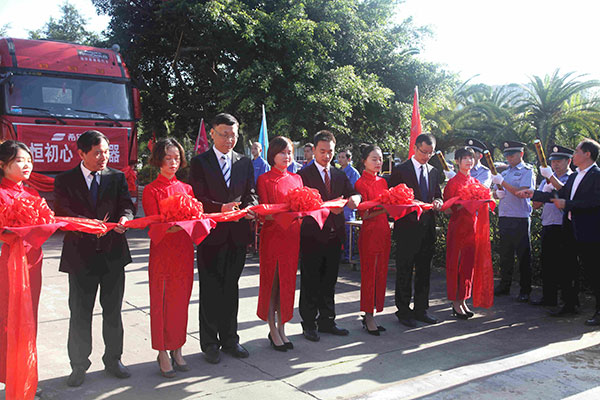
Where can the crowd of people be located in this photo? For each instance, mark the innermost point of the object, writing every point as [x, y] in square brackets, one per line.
[224, 180]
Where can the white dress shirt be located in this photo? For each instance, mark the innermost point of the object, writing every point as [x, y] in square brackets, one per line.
[322, 173]
[87, 175]
[578, 179]
[228, 158]
[418, 166]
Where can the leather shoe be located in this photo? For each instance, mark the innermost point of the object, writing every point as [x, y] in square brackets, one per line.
[237, 351]
[118, 370]
[408, 321]
[594, 321]
[334, 330]
[542, 302]
[564, 311]
[212, 354]
[76, 378]
[428, 319]
[501, 291]
[523, 298]
[311, 334]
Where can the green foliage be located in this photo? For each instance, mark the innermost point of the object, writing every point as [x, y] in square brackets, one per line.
[70, 27]
[4, 29]
[314, 64]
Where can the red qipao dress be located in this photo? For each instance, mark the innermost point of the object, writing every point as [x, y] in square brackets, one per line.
[374, 245]
[9, 191]
[279, 248]
[460, 243]
[170, 271]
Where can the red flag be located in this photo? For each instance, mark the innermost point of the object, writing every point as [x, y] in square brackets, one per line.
[201, 140]
[415, 124]
[152, 141]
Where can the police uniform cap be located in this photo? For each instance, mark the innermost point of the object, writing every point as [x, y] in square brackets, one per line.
[512, 146]
[476, 145]
[560, 152]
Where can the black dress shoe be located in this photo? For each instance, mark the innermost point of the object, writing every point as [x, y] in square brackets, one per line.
[117, 369]
[523, 298]
[594, 321]
[311, 334]
[428, 319]
[212, 354]
[564, 311]
[408, 321]
[501, 290]
[237, 351]
[334, 330]
[76, 378]
[542, 302]
[289, 345]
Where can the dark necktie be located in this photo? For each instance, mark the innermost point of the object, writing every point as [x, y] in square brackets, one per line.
[94, 188]
[327, 183]
[423, 186]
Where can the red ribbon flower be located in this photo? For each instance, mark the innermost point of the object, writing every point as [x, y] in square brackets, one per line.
[474, 191]
[180, 207]
[400, 194]
[303, 199]
[25, 211]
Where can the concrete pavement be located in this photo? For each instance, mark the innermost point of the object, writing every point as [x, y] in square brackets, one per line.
[512, 350]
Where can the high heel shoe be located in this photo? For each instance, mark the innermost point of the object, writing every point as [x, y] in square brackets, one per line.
[374, 332]
[288, 345]
[167, 374]
[178, 367]
[457, 314]
[281, 347]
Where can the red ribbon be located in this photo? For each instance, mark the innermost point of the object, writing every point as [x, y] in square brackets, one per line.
[285, 217]
[397, 211]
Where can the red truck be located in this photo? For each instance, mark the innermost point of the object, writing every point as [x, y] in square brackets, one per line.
[52, 92]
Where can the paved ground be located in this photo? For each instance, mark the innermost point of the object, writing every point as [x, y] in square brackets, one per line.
[510, 351]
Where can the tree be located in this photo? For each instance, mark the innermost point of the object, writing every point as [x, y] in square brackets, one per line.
[4, 29]
[314, 64]
[557, 102]
[70, 27]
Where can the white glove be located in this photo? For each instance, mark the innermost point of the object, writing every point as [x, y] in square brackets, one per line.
[546, 172]
[548, 188]
[449, 174]
[500, 193]
[497, 179]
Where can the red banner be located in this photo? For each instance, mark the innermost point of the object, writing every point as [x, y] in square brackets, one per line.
[54, 148]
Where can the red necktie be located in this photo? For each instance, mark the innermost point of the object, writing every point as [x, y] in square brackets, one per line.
[327, 183]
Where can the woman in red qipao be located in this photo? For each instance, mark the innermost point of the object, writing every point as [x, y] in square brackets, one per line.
[460, 239]
[15, 167]
[279, 248]
[171, 262]
[374, 241]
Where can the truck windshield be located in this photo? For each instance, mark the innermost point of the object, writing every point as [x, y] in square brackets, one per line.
[65, 97]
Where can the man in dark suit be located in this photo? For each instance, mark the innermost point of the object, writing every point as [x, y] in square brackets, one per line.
[414, 237]
[91, 190]
[320, 249]
[223, 180]
[579, 199]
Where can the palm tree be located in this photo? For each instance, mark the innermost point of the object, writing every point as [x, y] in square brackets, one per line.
[557, 102]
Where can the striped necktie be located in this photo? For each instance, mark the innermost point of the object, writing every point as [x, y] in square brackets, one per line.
[327, 182]
[225, 169]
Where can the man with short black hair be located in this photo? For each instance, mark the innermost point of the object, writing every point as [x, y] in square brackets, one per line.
[308, 155]
[579, 199]
[415, 237]
[223, 180]
[345, 160]
[92, 190]
[320, 248]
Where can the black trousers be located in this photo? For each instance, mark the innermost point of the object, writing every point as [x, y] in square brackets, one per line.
[414, 251]
[219, 270]
[588, 255]
[553, 261]
[515, 240]
[82, 297]
[319, 267]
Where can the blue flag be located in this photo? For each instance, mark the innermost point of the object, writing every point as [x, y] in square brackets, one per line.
[263, 137]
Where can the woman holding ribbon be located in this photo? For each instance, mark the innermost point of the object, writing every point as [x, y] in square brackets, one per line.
[374, 241]
[279, 247]
[171, 262]
[468, 246]
[15, 167]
